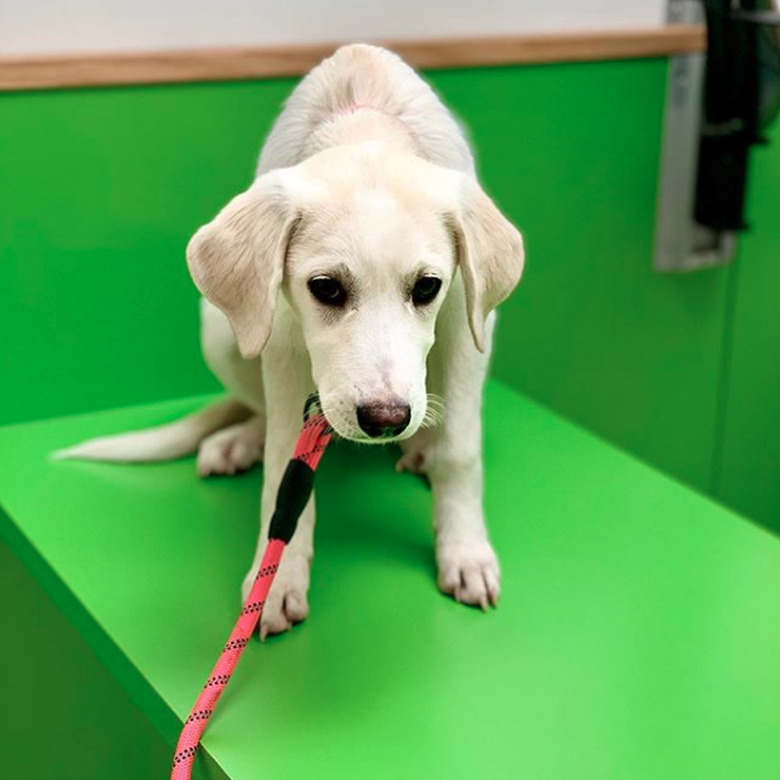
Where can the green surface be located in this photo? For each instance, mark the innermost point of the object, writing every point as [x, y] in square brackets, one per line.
[750, 466]
[99, 192]
[65, 716]
[636, 636]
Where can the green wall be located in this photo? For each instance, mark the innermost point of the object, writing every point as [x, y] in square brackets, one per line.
[101, 189]
[748, 477]
[571, 152]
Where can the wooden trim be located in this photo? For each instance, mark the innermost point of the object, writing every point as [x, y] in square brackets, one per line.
[95, 70]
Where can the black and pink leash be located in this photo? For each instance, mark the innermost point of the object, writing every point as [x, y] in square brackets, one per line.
[294, 491]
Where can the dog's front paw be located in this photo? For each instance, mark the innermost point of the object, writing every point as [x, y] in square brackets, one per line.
[287, 603]
[417, 453]
[468, 571]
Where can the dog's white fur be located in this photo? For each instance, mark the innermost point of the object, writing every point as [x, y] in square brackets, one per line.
[365, 176]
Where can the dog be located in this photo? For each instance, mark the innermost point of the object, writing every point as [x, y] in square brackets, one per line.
[366, 263]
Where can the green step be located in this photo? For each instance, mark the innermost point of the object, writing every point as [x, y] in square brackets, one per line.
[636, 637]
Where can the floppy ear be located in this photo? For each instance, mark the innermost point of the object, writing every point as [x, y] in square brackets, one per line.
[237, 259]
[490, 255]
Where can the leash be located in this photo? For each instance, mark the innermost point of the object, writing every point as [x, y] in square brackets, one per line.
[294, 491]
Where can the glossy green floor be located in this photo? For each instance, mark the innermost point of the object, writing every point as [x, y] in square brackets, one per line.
[636, 637]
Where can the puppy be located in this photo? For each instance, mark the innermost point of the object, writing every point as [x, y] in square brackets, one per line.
[364, 262]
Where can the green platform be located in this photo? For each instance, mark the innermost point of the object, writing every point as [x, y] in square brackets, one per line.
[637, 636]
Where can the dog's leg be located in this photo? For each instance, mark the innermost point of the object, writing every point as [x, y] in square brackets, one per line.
[287, 379]
[237, 447]
[242, 378]
[468, 567]
[277, 396]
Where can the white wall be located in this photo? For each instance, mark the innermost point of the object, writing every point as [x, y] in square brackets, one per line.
[48, 26]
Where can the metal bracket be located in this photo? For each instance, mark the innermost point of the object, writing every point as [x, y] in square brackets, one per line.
[681, 244]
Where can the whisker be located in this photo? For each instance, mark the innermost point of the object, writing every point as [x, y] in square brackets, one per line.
[435, 400]
[434, 412]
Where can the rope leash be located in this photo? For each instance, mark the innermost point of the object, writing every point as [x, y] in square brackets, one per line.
[294, 492]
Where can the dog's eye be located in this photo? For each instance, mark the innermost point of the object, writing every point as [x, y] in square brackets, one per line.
[425, 289]
[327, 290]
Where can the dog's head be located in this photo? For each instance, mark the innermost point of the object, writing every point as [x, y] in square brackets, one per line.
[364, 243]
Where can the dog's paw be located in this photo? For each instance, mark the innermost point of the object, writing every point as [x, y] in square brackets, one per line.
[417, 453]
[469, 572]
[231, 451]
[413, 462]
[287, 603]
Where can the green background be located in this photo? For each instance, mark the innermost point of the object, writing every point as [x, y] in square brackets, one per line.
[100, 190]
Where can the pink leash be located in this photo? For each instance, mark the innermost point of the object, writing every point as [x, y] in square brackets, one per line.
[294, 492]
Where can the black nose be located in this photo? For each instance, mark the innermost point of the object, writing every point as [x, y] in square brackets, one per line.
[384, 419]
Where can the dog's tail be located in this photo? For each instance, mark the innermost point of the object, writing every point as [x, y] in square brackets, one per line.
[164, 442]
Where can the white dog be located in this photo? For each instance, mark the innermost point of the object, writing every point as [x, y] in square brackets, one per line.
[364, 262]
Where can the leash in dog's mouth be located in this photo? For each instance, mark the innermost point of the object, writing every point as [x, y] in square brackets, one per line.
[294, 492]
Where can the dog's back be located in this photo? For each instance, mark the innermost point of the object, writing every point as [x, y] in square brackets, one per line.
[362, 76]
